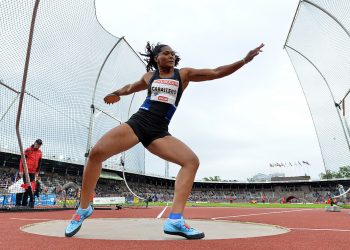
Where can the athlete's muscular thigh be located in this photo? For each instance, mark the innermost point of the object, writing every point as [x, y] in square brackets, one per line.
[172, 149]
[115, 141]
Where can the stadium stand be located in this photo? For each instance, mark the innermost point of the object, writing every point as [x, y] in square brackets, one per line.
[63, 183]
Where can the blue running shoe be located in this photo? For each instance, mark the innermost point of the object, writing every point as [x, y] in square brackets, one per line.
[77, 220]
[179, 227]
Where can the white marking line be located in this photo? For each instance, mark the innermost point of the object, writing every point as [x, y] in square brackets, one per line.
[26, 219]
[321, 229]
[246, 215]
[161, 213]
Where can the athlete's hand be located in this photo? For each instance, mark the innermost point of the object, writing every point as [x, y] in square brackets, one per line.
[111, 98]
[253, 53]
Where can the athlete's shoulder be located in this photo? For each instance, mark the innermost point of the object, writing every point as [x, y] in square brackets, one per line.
[147, 76]
[185, 69]
[184, 73]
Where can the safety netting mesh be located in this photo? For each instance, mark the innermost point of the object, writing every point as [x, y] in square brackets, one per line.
[74, 63]
[319, 47]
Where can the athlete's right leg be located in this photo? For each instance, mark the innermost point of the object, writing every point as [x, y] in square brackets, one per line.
[113, 142]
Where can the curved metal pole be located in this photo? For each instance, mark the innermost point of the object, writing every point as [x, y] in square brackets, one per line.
[93, 100]
[126, 184]
[338, 22]
[123, 155]
[341, 122]
[144, 154]
[330, 15]
[291, 26]
[138, 55]
[24, 81]
[8, 109]
[107, 114]
[343, 99]
[321, 9]
[8, 87]
[14, 100]
[93, 111]
[132, 49]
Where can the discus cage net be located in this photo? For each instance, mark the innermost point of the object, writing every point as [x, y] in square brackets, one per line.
[318, 45]
[72, 63]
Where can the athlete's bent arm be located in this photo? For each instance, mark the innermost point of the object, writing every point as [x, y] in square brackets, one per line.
[128, 89]
[132, 88]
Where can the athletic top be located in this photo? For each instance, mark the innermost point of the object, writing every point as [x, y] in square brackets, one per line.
[163, 95]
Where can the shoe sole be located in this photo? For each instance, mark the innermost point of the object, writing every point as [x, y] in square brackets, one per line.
[189, 237]
[77, 229]
[73, 232]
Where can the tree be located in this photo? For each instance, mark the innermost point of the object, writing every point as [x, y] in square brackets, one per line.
[328, 175]
[214, 178]
[344, 172]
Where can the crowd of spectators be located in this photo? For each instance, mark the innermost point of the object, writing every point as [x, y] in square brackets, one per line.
[53, 183]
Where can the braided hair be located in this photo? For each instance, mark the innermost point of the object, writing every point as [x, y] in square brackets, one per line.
[152, 51]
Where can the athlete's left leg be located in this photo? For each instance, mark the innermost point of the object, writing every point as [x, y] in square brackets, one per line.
[171, 149]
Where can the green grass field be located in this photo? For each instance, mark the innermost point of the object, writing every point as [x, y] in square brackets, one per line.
[71, 203]
[248, 205]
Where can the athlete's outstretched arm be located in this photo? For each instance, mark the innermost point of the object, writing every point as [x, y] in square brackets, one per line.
[127, 90]
[199, 75]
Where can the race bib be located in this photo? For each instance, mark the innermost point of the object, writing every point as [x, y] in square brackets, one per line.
[164, 90]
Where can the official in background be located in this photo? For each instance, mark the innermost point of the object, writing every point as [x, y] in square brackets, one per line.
[33, 157]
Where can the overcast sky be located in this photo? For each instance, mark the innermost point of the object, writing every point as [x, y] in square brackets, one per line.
[240, 124]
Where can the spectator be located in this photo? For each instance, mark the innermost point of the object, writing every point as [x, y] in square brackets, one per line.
[148, 199]
[341, 189]
[38, 188]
